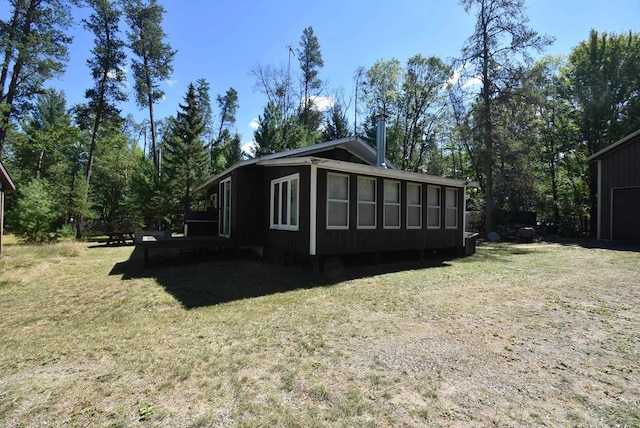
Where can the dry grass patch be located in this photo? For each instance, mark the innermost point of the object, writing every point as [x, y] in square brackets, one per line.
[517, 335]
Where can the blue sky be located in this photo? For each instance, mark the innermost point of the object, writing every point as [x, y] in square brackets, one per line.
[223, 40]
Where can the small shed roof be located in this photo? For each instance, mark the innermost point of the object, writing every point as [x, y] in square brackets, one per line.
[5, 179]
[613, 146]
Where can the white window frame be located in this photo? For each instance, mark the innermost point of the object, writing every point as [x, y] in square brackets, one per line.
[289, 224]
[224, 226]
[374, 203]
[431, 207]
[451, 209]
[418, 205]
[338, 201]
[398, 205]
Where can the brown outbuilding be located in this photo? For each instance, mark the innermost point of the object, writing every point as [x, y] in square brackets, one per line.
[618, 213]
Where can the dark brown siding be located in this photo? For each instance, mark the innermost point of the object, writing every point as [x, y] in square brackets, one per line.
[280, 243]
[354, 240]
[247, 205]
[619, 169]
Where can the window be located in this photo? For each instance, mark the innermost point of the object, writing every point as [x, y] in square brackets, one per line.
[337, 201]
[391, 204]
[284, 202]
[433, 207]
[366, 203]
[414, 206]
[225, 208]
[451, 213]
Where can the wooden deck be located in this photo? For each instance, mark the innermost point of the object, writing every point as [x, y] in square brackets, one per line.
[149, 242]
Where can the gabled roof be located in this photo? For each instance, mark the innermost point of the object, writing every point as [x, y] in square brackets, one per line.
[613, 146]
[353, 145]
[5, 179]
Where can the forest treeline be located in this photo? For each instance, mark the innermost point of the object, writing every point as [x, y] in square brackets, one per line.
[519, 123]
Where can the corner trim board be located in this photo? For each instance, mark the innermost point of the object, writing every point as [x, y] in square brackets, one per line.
[313, 210]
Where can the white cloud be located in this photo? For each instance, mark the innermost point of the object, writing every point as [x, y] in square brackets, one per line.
[458, 74]
[254, 124]
[171, 82]
[475, 80]
[323, 103]
[112, 75]
[249, 148]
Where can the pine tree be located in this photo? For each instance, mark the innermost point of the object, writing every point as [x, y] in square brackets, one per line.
[107, 69]
[310, 59]
[34, 48]
[501, 38]
[153, 58]
[185, 154]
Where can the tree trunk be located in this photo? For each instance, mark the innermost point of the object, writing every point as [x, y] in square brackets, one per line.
[154, 147]
[5, 113]
[488, 137]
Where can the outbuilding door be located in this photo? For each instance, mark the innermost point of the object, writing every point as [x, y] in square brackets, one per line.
[626, 214]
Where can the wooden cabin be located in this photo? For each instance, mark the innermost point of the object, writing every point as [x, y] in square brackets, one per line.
[332, 199]
[619, 189]
[5, 184]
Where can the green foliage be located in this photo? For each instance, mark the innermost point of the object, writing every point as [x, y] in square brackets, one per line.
[107, 70]
[310, 59]
[500, 44]
[34, 45]
[413, 100]
[34, 212]
[185, 155]
[277, 134]
[153, 57]
[603, 77]
[336, 123]
[147, 198]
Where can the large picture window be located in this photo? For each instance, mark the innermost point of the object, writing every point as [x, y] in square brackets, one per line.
[284, 202]
[391, 204]
[367, 203]
[433, 207]
[337, 201]
[451, 213]
[414, 206]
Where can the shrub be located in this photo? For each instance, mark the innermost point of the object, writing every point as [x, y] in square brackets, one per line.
[34, 212]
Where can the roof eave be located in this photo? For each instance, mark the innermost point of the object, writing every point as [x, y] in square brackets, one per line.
[613, 146]
[367, 170]
[7, 182]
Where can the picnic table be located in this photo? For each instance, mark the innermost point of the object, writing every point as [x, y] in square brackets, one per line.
[119, 238]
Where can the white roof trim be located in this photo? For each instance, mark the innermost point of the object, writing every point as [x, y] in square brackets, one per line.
[351, 167]
[215, 178]
[613, 146]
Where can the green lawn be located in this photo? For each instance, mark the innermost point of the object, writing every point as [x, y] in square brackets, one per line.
[517, 335]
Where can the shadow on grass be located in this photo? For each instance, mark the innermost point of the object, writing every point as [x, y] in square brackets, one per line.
[205, 278]
[627, 246]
